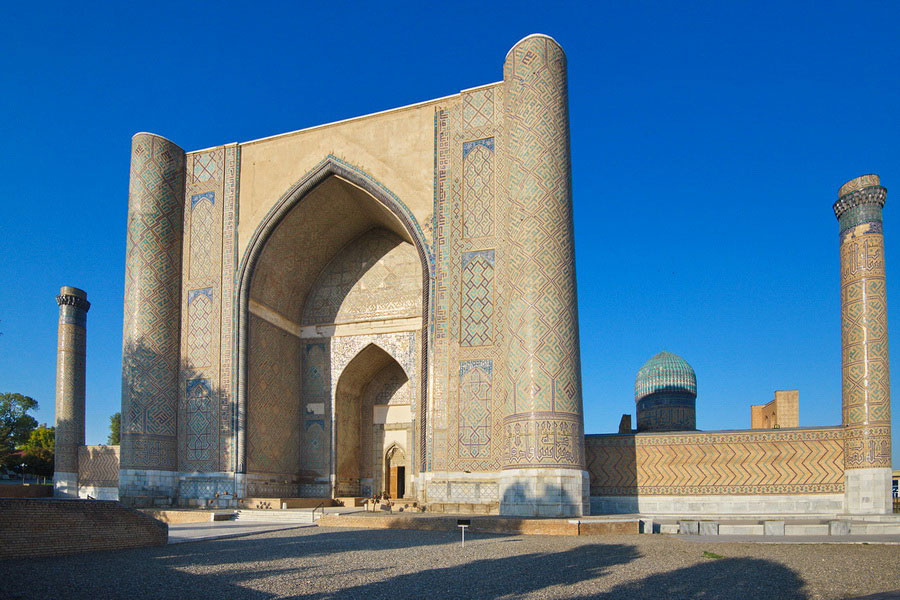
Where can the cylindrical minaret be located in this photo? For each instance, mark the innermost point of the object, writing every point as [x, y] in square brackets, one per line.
[150, 355]
[865, 371]
[544, 424]
[70, 372]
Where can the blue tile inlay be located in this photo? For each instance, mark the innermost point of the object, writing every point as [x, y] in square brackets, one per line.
[194, 293]
[486, 142]
[468, 256]
[211, 196]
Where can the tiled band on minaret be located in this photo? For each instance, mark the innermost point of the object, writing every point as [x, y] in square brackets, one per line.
[151, 341]
[865, 373]
[544, 450]
[70, 374]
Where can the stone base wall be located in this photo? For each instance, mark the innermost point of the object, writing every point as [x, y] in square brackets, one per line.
[65, 485]
[868, 491]
[763, 505]
[544, 493]
[98, 492]
[143, 488]
[31, 527]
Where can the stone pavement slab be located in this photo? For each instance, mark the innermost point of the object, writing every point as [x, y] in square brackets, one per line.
[180, 533]
[794, 539]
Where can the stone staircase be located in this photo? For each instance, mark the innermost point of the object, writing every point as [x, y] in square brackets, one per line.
[300, 516]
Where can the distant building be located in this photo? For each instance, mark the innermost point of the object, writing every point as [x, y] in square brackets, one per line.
[783, 411]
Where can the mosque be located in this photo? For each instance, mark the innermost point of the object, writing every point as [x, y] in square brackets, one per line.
[388, 304]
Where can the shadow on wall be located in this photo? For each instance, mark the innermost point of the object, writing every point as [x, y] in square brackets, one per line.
[317, 566]
[548, 501]
[194, 423]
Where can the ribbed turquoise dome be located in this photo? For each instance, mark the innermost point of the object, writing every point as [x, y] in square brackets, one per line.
[665, 372]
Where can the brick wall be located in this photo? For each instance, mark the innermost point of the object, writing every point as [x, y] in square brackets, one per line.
[25, 491]
[45, 527]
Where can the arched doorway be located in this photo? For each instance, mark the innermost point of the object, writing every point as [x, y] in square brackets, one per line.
[338, 264]
[395, 472]
[372, 414]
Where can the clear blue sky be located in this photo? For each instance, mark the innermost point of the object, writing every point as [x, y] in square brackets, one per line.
[708, 144]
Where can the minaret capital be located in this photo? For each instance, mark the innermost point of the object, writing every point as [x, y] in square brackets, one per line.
[73, 300]
[865, 190]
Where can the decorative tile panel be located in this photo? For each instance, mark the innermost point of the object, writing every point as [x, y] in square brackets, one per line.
[478, 108]
[475, 397]
[199, 334]
[477, 305]
[478, 192]
[201, 414]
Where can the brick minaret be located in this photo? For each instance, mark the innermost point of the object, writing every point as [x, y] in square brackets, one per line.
[543, 467]
[865, 369]
[70, 373]
[152, 330]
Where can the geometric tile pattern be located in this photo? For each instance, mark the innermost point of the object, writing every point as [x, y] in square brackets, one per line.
[478, 192]
[227, 395]
[478, 108]
[202, 430]
[717, 463]
[477, 306]
[316, 457]
[204, 240]
[468, 292]
[864, 339]
[202, 349]
[152, 305]
[377, 276]
[465, 492]
[273, 401]
[542, 322]
[207, 166]
[474, 425]
[199, 327]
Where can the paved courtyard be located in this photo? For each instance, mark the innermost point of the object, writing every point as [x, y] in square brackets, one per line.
[325, 563]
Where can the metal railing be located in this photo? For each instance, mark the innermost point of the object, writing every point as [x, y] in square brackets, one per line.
[320, 505]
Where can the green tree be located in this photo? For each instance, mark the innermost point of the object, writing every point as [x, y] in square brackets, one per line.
[39, 450]
[115, 427]
[15, 424]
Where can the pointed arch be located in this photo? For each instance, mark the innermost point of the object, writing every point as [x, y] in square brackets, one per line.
[330, 167]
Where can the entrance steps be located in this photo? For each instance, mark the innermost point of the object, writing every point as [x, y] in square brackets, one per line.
[291, 515]
[282, 503]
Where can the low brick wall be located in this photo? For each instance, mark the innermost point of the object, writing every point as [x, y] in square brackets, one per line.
[484, 524]
[25, 491]
[32, 527]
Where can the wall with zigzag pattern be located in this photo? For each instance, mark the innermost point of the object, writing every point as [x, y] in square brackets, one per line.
[785, 461]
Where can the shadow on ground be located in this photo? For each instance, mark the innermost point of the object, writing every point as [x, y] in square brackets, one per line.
[363, 564]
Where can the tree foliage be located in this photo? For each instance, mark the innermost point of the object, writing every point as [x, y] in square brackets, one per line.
[39, 450]
[16, 424]
[115, 427]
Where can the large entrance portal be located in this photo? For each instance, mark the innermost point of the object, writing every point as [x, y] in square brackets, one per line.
[330, 344]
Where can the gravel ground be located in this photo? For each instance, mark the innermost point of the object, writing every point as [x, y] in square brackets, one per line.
[321, 562]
